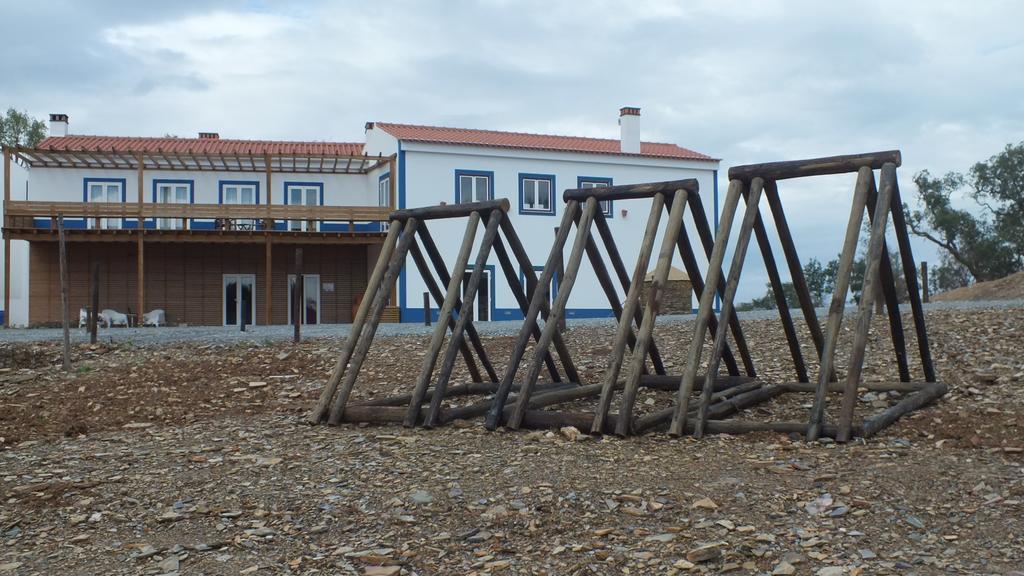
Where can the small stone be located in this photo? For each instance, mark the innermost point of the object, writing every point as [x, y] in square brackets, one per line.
[570, 433]
[147, 551]
[9, 566]
[169, 564]
[704, 553]
[683, 565]
[267, 461]
[783, 569]
[705, 503]
[382, 570]
[77, 519]
[257, 384]
[667, 537]
[422, 497]
[831, 571]
[480, 536]
[867, 554]
[915, 522]
[170, 516]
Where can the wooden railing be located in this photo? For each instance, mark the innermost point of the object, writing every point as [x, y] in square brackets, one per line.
[37, 209]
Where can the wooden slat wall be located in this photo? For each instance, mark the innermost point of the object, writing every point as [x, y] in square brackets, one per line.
[186, 279]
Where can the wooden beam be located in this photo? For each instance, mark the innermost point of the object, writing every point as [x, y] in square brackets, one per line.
[140, 273]
[268, 281]
[815, 166]
[7, 239]
[631, 191]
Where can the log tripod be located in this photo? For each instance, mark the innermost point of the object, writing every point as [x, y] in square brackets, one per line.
[717, 396]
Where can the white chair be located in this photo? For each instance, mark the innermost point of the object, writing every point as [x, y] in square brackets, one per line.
[114, 318]
[154, 318]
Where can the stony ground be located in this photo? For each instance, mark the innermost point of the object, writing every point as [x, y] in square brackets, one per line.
[192, 458]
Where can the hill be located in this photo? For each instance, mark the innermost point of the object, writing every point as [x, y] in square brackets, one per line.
[1008, 288]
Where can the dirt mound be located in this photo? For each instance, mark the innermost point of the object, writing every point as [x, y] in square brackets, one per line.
[1009, 288]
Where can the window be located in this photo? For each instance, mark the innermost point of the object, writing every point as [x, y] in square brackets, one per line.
[104, 190]
[536, 194]
[590, 182]
[552, 291]
[172, 192]
[244, 193]
[473, 186]
[384, 190]
[303, 194]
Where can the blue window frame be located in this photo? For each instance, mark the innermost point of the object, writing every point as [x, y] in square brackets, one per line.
[473, 186]
[597, 182]
[306, 194]
[173, 192]
[537, 194]
[104, 190]
[384, 190]
[538, 270]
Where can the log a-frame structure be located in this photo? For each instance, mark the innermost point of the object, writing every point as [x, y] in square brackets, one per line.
[701, 403]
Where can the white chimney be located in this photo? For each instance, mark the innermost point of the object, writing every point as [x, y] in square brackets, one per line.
[58, 125]
[629, 124]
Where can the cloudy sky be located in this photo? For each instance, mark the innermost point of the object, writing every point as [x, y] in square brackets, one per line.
[743, 81]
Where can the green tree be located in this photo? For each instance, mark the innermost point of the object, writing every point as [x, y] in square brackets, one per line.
[987, 245]
[19, 129]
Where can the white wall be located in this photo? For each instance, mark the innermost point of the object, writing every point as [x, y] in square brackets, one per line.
[19, 255]
[430, 179]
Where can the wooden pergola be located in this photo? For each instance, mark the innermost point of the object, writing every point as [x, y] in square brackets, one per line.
[19, 216]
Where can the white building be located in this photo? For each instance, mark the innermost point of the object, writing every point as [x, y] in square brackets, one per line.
[221, 218]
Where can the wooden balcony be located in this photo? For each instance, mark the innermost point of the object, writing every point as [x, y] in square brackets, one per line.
[111, 221]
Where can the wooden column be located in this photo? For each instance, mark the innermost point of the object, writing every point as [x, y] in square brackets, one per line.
[64, 312]
[298, 298]
[94, 308]
[393, 183]
[268, 228]
[7, 240]
[140, 263]
[924, 282]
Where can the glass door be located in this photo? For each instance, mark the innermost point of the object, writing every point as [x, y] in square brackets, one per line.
[303, 196]
[310, 300]
[105, 192]
[239, 299]
[241, 194]
[483, 295]
[172, 193]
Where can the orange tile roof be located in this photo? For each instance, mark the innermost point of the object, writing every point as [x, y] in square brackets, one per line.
[198, 145]
[496, 139]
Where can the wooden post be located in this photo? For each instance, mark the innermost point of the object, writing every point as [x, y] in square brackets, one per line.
[372, 287]
[557, 311]
[835, 312]
[268, 229]
[753, 197]
[94, 308]
[468, 300]
[706, 308]
[298, 298]
[494, 415]
[646, 332]
[369, 330]
[140, 262]
[443, 318]
[7, 240]
[887, 291]
[64, 312]
[625, 326]
[426, 308]
[899, 224]
[924, 282]
[876, 244]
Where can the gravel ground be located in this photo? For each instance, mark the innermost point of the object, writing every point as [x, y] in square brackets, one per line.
[266, 334]
[193, 459]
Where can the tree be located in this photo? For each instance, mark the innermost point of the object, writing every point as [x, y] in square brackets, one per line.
[988, 245]
[820, 282]
[18, 129]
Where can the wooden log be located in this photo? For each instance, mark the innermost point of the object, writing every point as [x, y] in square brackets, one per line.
[876, 242]
[815, 166]
[899, 224]
[468, 300]
[726, 402]
[364, 339]
[64, 311]
[450, 210]
[796, 271]
[608, 239]
[887, 280]
[557, 311]
[435, 291]
[631, 191]
[697, 281]
[835, 312]
[929, 393]
[625, 325]
[729, 299]
[901, 387]
[298, 298]
[646, 333]
[94, 308]
[519, 292]
[530, 318]
[516, 246]
[924, 282]
[442, 272]
[700, 221]
[459, 390]
[443, 319]
[775, 280]
[741, 427]
[372, 287]
[706, 308]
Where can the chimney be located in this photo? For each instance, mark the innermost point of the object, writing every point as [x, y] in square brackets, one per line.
[58, 125]
[209, 136]
[629, 124]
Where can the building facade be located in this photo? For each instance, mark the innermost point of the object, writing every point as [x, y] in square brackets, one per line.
[207, 229]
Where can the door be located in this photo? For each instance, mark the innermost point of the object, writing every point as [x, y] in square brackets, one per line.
[239, 299]
[100, 191]
[310, 300]
[241, 193]
[482, 309]
[171, 193]
[303, 196]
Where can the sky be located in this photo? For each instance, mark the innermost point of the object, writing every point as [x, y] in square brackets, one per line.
[742, 81]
